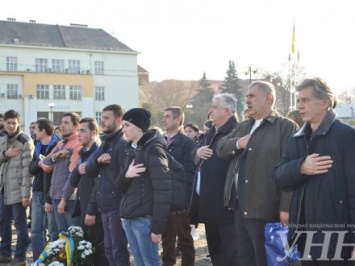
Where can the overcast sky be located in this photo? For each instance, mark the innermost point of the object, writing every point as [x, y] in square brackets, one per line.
[180, 39]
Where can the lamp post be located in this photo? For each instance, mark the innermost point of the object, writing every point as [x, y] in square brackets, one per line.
[51, 106]
[249, 71]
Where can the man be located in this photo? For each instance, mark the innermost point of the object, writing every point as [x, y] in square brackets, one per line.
[41, 201]
[16, 149]
[106, 166]
[256, 146]
[90, 218]
[207, 202]
[180, 147]
[319, 167]
[62, 161]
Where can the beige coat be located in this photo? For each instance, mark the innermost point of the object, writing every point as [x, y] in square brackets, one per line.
[15, 178]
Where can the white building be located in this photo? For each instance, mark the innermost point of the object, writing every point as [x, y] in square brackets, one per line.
[46, 70]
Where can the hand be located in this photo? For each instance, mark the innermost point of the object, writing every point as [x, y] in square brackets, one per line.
[61, 206]
[25, 202]
[134, 170]
[90, 220]
[48, 207]
[315, 164]
[104, 158]
[40, 163]
[243, 141]
[61, 154]
[156, 238]
[284, 218]
[12, 151]
[82, 168]
[204, 152]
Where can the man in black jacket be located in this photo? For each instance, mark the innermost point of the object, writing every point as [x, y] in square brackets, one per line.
[319, 167]
[105, 166]
[180, 147]
[207, 202]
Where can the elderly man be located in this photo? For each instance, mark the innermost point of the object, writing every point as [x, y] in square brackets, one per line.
[256, 146]
[319, 167]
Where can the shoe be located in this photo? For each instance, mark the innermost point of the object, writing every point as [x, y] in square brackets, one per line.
[4, 259]
[17, 262]
[177, 251]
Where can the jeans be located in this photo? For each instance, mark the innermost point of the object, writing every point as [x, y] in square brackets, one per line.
[115, 240]
[20, 220]
[64, 221]
[38, 219]
[52, 227]
[145, 252]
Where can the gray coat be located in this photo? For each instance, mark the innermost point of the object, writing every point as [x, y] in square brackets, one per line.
[15, 178]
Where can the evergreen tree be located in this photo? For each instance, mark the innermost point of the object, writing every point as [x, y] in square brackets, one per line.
[232, 85]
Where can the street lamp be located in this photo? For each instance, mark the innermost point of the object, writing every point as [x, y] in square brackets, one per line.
[249, 71]
[51, 106]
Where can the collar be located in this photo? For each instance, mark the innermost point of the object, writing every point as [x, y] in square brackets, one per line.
[229, 125]
[70, 138]
[270, 118]
[112, 135]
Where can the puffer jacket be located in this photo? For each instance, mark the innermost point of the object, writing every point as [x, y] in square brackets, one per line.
[150, 193]
[15, 179]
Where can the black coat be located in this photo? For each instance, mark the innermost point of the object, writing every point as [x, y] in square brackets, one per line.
[328, 199]
[208, 206]
[150, 193]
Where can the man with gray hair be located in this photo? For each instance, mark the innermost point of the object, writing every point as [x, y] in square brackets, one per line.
[253, 149]
[207, 202]
[319, 167]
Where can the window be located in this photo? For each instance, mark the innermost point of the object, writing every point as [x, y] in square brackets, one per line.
[57, 118]
[43, 114]
[58, 65]
[12, 91]
[11, 63]
[75, 92]
[74, 66]
[59, 92]
[99, 67]
[42, 92]
[98, 117]
[41, 65]
[99, 93]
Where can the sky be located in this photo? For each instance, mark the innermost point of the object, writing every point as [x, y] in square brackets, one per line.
[181, 39]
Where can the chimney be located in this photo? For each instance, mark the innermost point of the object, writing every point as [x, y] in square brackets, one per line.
[11, 19]
[32, 21]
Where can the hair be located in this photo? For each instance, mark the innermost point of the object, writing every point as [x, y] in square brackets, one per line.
[296, 117]
[266, 87]
[45, 124]
[118, 110]
[92, 123]
[57, 128]
[11, 114]
[75, 117]
[177, 112]
[208, 123]
[193, 126]
[320, 90]
[227, 100]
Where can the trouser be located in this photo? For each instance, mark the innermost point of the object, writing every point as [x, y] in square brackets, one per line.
[178, 225]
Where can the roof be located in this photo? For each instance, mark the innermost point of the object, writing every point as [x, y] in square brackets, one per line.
[345, 110]
[44, 35]
[142, 70]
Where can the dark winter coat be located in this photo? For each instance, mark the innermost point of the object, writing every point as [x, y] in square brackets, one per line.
[150, 193]
[326, 200]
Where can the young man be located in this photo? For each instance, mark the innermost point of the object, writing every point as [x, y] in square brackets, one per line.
[91, 221]
[106, 167]
[181, 148]
[16, 150]
[41, 201]
[62, 161]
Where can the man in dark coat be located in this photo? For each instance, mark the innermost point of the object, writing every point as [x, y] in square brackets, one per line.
[207, 202]
[319, 167]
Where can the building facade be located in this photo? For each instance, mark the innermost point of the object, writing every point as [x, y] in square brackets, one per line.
[46, 70]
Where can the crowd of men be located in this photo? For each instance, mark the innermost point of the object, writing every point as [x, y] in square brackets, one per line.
[239, 177]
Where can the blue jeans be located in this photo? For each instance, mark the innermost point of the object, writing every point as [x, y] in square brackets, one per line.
[115, 240]
[52, 227]
[38, 220]
[18, 213]
[64, 221]
[145, 252]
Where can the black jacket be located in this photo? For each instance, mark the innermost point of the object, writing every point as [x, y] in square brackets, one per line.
[107, 195]
[326, 201]
[150, 193]
[181, 149]
[208, 206]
